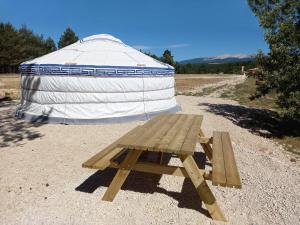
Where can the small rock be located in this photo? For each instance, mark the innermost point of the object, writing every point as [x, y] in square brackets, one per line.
[47, 185]
[293, 160]
[45, 198]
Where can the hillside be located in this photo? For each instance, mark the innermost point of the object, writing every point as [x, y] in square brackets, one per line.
[220, 59]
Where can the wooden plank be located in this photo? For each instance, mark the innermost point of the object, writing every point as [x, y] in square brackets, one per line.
[180, 134]
[202, 188]
[162, 169]
[145, 133]
[121, 175]
[113, 146]
[232, 174]
[169, 128]
[105, 161]
[190, 141]
[218, 174]
[155, 138]
[169, 136]
[145, 129]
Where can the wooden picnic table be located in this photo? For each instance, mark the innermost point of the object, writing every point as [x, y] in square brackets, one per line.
[177, 134]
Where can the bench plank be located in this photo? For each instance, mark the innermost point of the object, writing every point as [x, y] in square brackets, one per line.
[225, 171]
[232, 174]
[101, 159]
[218, 174]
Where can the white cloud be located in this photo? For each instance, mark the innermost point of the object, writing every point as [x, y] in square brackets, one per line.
[178, 46]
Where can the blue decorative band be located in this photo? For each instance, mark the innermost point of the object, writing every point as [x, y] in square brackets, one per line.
[91, 70]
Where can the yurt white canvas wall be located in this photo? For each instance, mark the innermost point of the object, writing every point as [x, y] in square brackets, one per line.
[98, 79]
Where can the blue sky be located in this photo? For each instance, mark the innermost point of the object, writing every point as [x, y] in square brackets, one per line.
[190, 28]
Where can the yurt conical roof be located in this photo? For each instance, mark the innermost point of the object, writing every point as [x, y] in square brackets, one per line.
[95, 80]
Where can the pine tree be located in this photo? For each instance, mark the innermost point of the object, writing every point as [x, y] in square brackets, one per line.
[168, 58]
[50, 45]
[67, 38]
[281, 67]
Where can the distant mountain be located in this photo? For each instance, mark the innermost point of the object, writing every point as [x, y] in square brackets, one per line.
[220, 59]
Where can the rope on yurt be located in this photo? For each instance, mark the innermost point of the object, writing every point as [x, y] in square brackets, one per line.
[146, 114]
[143, 65]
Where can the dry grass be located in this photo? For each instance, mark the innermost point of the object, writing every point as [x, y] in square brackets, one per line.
[9, 86]
[189, 82]
[285, 132]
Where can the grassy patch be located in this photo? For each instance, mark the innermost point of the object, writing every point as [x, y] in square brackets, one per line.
[266, 116]
[243, 91]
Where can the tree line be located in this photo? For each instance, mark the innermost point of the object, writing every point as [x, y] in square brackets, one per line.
[20, 45]
[227, 68]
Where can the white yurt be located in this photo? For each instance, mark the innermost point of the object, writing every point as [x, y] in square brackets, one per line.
[98, 79]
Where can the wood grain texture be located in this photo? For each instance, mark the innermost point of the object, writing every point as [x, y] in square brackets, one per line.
[225, 171]
[232, 174]
[173, 133]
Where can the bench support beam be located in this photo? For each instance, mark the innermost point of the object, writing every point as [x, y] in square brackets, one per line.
[162, 169]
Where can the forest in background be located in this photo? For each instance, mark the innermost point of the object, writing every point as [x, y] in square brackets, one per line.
[20, 45]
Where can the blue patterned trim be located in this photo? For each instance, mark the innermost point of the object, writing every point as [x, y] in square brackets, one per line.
[91, 70]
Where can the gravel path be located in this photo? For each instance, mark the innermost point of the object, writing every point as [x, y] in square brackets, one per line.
[42, 182]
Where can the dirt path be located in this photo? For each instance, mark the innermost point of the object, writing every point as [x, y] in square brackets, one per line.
[42, 182]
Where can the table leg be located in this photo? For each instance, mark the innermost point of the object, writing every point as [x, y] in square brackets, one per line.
[161, 156]
[202, 188]
[206, 147]
[121, 175]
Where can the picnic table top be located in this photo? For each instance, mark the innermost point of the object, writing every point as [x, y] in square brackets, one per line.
[172, 133]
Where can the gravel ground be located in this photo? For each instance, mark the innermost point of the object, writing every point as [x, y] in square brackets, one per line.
[42, 182]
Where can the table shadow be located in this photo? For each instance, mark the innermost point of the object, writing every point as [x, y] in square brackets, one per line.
[149, 183]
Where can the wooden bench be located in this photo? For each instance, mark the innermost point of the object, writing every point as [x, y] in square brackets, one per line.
[224, 169]
[104, 158]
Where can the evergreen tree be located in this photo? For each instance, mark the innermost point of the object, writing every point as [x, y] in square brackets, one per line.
[50, 45]
[67, 38]
[281, 67]
[9, 46]
[168, 58]
[17, 46]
